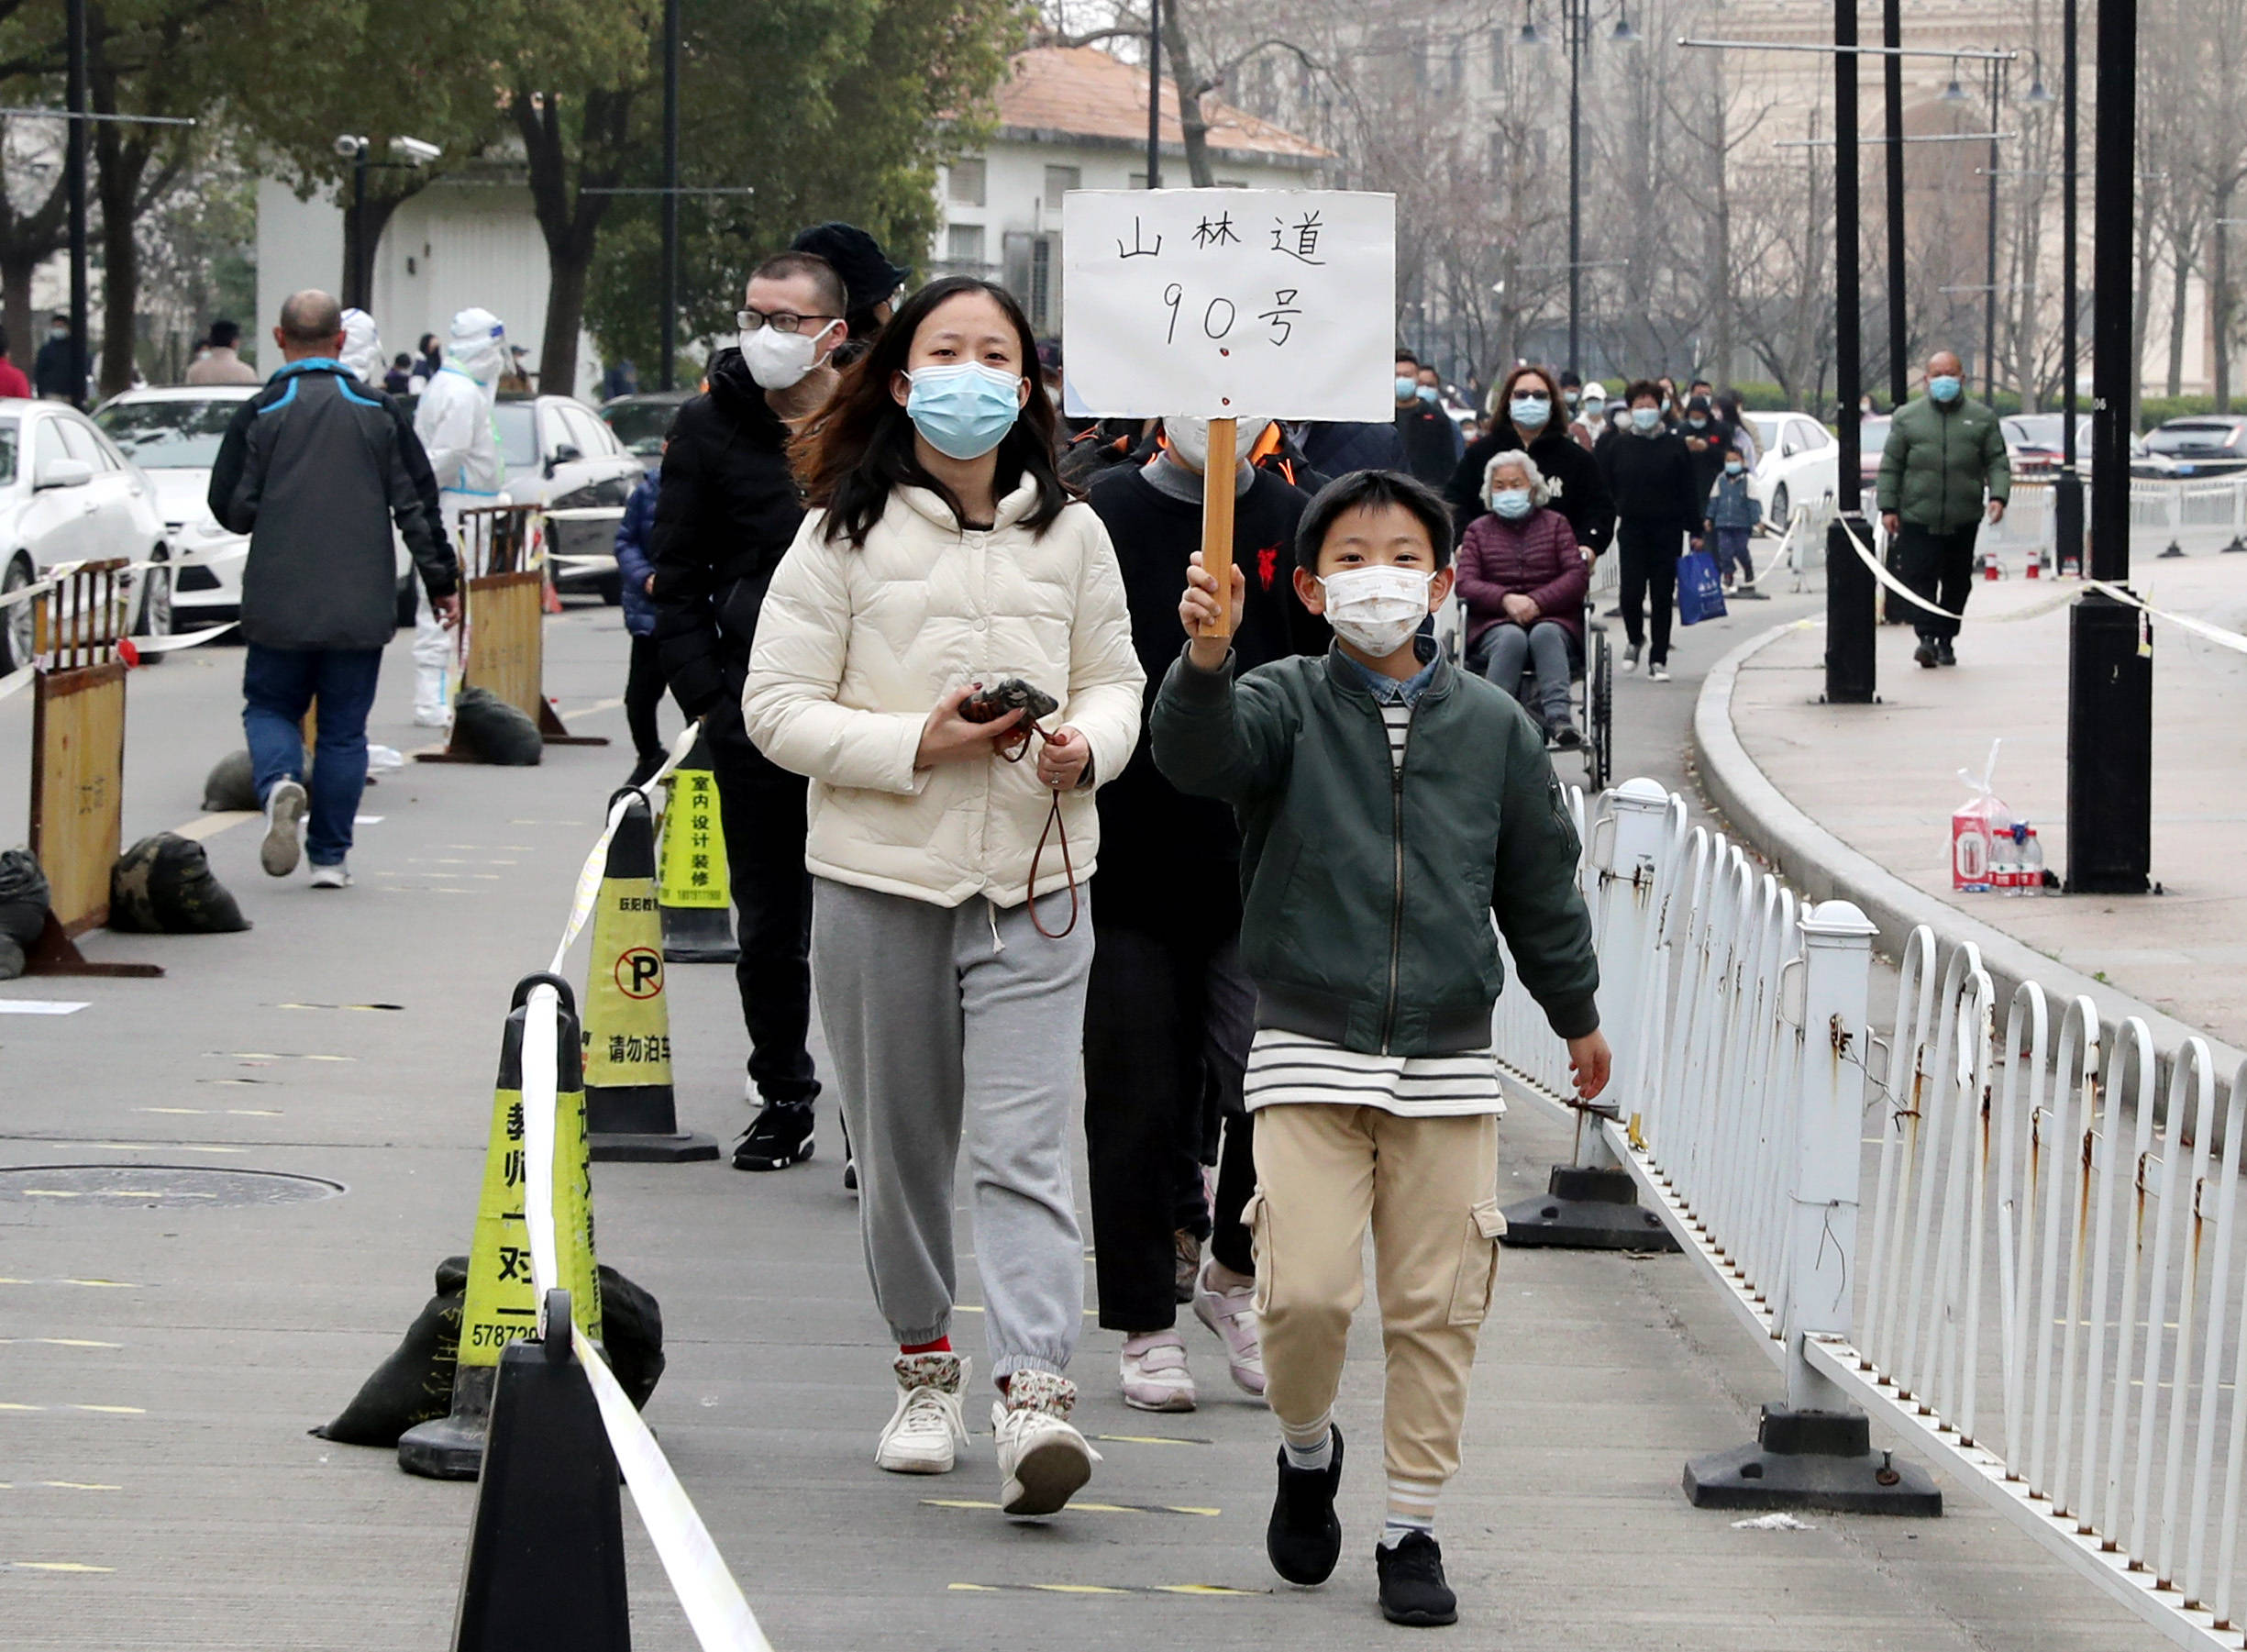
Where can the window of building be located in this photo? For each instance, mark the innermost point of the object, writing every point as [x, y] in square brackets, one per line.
[963, 244]
[964, 183]
[1044, 296]
[1060, 181]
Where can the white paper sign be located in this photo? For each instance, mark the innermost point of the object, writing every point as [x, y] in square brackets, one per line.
[1225, 302]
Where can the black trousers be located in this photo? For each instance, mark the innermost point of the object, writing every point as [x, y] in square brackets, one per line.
[762, 808]
[1649, 568]
[1166, 1028]
[1939, 566]
[643, 695]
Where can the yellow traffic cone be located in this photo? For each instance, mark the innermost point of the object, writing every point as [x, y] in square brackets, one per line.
[630, 1107]
[697, 916]
[502, 1304]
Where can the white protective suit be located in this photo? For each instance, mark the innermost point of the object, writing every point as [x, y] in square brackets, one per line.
[362, 348]
[454, 422]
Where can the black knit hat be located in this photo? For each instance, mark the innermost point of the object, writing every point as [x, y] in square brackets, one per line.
[868, 277]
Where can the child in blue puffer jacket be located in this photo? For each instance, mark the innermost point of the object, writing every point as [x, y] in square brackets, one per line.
[1733, 516]
[636, 576]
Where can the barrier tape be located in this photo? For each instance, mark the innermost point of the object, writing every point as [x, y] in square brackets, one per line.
[1864, 554]
[62, 571]
[596, 863]
[716, 1608]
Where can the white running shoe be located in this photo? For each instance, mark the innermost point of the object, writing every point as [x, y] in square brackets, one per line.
[431, 716]
[1156, 1378]
[1630, 658]
[331, 877]
[926, 1432]
[284, 816]
[1233, 1315]
[1042, 1461]
[1657, 673]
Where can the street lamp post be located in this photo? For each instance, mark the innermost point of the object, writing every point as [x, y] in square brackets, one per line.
[357, 256]
[2067, 491]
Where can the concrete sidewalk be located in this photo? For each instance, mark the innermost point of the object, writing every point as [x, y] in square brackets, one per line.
[1855, 801]
[160, 1363]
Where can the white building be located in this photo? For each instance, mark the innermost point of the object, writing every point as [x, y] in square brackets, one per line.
[1073, 117]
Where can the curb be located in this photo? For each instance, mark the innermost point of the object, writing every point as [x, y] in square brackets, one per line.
[1822, 866]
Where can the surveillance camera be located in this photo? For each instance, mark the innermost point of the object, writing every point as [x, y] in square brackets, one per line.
[348, 147]
[416, 151]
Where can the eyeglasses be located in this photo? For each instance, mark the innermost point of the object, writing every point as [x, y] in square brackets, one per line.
[780, 321]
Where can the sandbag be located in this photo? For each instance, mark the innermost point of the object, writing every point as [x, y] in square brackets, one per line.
[492, 731]
[11, 958]
[163, 885]
[24, 894]
[230, 785]
[414, 1385]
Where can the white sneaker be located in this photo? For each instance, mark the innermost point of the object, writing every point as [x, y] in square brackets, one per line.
[927, 1431]
[1233, 1315]
[1657, 673]
[284, 816]
[331, 877]
[1630, 658]
[431, 716]
[1042, 1460]
[1156, 1378]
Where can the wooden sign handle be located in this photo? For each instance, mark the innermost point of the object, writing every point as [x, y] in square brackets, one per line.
[1217, 476]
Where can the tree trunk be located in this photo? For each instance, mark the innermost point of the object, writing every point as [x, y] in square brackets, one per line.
[16, 311]
[571, 226]
[370, 221]
[120, 158]
[2220, 302]
[2140, 310]
[1720, 290]
[1189, 88]
[2180, 279]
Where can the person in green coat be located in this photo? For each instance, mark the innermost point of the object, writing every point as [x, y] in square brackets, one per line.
[1945, 456]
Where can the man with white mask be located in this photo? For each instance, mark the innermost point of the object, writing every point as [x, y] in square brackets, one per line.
[1169, 1013]
[454, 422]
[728, 511]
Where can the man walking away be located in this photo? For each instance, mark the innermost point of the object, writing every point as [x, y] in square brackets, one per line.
[1431, 442]
[726, 513]
[454, 422]
[59, 371]
[314, 469]
[1945, 454]
[222, 363]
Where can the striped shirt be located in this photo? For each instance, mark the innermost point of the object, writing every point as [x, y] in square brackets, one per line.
[1295, 1069]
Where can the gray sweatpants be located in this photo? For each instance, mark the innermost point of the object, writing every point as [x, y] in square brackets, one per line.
[936, 1015]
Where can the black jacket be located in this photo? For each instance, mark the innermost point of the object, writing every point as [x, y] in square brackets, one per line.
[1431, 442]
[1651, 478]
[315, 467]
[728, 512]
[1144, 821]
[59, 369]
[1336, 449]
[1580, 491]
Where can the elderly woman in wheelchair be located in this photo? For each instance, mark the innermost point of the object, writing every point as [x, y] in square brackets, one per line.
[1524, 581]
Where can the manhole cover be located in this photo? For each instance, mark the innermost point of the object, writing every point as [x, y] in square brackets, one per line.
[155, 1186]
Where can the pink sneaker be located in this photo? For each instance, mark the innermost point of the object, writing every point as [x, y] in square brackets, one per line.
[1233, 1315]
[1155, 1374]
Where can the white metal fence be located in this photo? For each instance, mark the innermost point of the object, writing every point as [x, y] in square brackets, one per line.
[2051, 1301]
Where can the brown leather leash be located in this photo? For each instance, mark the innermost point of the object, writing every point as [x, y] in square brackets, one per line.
[1015, 746]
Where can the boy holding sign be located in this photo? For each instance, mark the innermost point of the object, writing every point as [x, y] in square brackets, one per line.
[1389, 807]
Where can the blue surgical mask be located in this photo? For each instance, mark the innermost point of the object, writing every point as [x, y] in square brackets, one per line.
[1426, 393]
[1731, 467]
[1645, 420]
[1407, 389]
[1512, 504]
[1529, 411]
[1698, 422]
[1945, 386]
[965, 409]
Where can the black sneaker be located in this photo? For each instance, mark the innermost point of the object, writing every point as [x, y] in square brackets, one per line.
[648, 764]
[777, 1137]
[1925, 654]
[1412, 1588]
[1567, 734]
[1944, 654]
[1304, 1538]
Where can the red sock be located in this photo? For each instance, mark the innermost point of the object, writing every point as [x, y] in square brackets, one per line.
[943, 1344]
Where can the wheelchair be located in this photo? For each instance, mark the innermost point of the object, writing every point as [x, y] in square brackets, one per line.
[1591, 688]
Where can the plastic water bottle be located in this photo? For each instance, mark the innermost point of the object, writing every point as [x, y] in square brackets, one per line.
[2005, 862]
[2032, 863]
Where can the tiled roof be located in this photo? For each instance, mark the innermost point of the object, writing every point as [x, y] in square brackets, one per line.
[1084, 93]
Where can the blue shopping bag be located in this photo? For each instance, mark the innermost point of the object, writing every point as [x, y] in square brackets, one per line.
[1700, 590]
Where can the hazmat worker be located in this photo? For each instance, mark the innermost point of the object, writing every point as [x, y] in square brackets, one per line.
[362, 348]
[454, 422]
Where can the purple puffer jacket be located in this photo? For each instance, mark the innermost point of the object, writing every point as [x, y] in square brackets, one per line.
[1535, 557]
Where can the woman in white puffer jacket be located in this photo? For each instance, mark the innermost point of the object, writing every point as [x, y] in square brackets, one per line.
[947, 949]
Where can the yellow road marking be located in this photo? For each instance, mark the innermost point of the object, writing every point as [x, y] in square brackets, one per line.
[205, 827]
[54, 1566]
[61, 1342]
[78, 1485]
[1150, 1439]
[136, 1411]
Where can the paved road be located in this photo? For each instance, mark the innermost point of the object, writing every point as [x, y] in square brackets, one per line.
[161, 1363]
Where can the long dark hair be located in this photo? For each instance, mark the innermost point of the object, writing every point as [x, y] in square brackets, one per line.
[859, 446]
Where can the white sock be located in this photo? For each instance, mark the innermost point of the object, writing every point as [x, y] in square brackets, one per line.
[1317, 1456]
[1396, 1528]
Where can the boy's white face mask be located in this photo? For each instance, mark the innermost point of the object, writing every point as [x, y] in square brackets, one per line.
[1376, 610]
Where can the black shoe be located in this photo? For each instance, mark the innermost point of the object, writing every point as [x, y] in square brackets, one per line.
[850, 1175]
[1304, 1538]
[1412, 1588]
[1925, 654]
[1943, 653]
[777, 1137]
[646, 767]
[1567, 734]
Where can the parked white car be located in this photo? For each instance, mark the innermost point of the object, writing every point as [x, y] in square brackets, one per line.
[1799, 464]
[66, 495]
[559, 453]
[174, 434]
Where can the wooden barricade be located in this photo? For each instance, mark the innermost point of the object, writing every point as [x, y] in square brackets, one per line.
[78, 762]
[503, 622]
